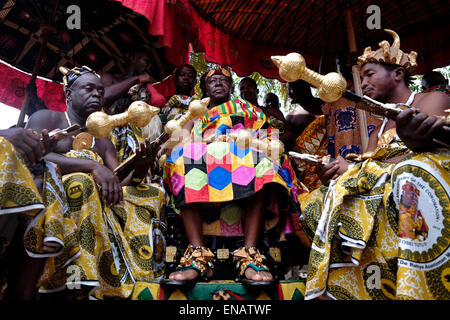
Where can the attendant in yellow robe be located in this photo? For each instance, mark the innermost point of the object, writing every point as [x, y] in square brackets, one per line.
[32, 205]
[114, 231]
[353, 220]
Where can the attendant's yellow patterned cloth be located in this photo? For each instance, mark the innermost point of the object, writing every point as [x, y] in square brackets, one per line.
[18, 190]
[353, 225]
[109, 248]
[421, 193]
[313, 140]
[41, 214]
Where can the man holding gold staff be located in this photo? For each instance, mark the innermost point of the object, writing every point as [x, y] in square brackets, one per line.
[229, 156]
[359, 222]
[114, 231]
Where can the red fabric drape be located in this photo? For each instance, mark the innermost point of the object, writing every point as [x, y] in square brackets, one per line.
[14, 82]
[178, 25]
[163, 24]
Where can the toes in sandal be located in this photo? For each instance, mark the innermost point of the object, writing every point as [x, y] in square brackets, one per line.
[197, 258]
[251, 258]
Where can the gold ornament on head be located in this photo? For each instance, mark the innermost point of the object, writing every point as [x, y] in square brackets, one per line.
[139, 113]
[390, 54]
[292, 67]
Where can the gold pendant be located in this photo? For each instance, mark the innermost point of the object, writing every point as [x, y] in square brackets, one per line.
[82, 141]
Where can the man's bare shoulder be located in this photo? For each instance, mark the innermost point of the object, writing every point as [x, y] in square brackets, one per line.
[46, 119]
[435, 102]
[109, 79]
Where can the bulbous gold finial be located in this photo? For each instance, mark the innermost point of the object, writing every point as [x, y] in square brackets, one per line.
[292, 67]
[244, 139]
[197, 109]
[139, 113]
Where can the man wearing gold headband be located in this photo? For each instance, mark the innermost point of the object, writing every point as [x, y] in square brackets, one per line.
[355, 219]
[114, 232]
[211, 169]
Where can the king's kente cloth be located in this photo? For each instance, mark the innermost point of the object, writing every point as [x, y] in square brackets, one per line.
[212, 168]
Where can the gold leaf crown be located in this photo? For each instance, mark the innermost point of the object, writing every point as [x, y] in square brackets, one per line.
[390, 54]
[70, 75]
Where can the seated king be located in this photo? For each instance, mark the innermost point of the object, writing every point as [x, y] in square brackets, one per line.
[230, 156]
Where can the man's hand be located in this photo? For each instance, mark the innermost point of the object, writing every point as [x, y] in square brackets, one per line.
[419, 131]
[331, 170]
[145, 157]
[145, 77]
[28, 143]
[109, 183]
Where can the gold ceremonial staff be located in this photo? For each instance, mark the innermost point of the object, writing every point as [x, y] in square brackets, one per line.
[332, 86]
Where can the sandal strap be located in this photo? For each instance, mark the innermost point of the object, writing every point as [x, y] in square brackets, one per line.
[249, 258]
[198, 258]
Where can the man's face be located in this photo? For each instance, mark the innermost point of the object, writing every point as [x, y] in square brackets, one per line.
[218, 87]
[185, 79]
[296, 88]
[271, 101]
[377, 82]
[248, 90]
[142, 63]
[86, 94]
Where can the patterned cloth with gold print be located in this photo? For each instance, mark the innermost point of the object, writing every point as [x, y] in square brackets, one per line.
[116, 246]
[22, 206]
[357, 228]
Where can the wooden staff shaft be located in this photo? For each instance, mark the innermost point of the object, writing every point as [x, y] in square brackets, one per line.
[356, 81]
[36, 67]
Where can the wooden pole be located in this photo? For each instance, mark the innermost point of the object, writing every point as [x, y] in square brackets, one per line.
[36, 67]
[356, 80]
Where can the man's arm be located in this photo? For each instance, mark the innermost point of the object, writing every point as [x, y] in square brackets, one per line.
[28, 144]
[420, 132]
[114, 91]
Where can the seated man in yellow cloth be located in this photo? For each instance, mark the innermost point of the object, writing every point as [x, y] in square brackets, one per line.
[114, 229]
[214, 168]
[32, 206]
[420, 188]
[359, 249]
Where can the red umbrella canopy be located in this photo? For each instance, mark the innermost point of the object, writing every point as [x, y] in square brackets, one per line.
[319, 26]
[107, 32]
[243, 34]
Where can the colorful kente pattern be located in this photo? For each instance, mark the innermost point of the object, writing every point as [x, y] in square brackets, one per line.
[220, 171]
